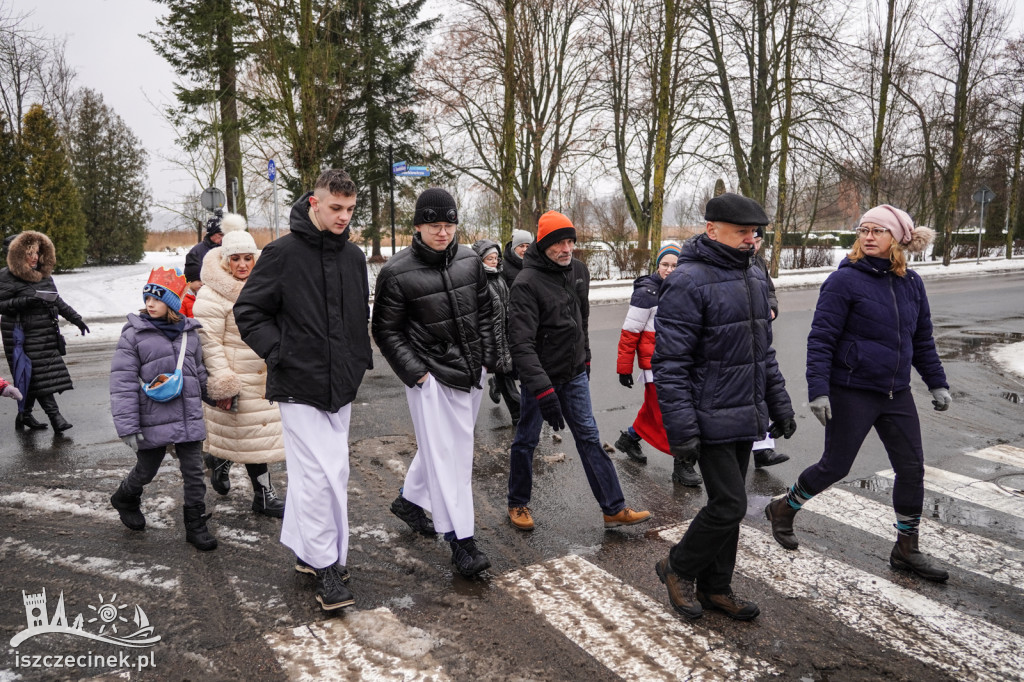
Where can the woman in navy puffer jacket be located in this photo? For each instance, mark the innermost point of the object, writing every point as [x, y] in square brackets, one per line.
[871, 324]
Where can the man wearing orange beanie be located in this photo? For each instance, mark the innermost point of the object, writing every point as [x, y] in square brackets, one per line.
[548, 314]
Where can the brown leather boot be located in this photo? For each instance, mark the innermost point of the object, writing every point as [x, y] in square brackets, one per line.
[905, 556]
[730, 604]
[681, 592]
[781, 514]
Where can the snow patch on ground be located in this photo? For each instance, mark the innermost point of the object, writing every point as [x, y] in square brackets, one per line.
[378, 533]
[1010, 357]
[145, 575]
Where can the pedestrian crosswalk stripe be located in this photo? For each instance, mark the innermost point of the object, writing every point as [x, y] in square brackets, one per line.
[981, 493]
[363, 645]
[966, 551]
[634, 636]
[895, 616]
[1002, 454]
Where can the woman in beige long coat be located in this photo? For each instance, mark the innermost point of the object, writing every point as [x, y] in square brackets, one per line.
[244, 427]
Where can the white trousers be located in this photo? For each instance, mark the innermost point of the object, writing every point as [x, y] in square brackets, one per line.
[315, 523]
[440, 478]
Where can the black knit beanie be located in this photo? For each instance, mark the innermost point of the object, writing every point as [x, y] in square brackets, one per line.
[435, 205]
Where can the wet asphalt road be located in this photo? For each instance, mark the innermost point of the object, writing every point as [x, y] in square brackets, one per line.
[235, 612]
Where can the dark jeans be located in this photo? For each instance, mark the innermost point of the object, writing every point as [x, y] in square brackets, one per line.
[190, 461]
[854, 413]
[579, 416]
[707, 552]
[509, 392]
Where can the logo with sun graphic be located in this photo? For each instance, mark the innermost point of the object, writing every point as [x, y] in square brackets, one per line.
[109, 619]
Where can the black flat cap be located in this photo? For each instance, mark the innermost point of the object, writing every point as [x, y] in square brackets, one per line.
[735, 209]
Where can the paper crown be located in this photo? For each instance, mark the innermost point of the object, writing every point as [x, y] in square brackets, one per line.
[167, 285]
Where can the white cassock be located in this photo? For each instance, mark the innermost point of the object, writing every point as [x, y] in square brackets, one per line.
[767, 444]
[315, 523]
[440, 478]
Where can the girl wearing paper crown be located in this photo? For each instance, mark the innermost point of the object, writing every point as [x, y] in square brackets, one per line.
[244, 426]
[157, 383]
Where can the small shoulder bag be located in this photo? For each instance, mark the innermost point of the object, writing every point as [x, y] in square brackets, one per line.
[166, 388]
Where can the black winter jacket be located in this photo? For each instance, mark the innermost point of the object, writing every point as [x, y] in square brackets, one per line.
[432, 313]
[38, 318]
[773, 299]
[548, 318]
[511, 264]
[304, 310]
[714, 365]
[194, 258]
[499, 309]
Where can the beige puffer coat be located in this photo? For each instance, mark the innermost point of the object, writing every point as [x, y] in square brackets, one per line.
[253, 434]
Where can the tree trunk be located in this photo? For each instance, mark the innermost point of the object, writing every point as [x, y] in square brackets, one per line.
[787, 116]
[883, 103]
[1014, 185]
[507, 219]
[661, 141]
[227, 81]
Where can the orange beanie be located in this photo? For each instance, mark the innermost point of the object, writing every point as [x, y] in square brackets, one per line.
[552, 228]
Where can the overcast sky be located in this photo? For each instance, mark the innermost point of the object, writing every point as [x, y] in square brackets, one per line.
[105, 48]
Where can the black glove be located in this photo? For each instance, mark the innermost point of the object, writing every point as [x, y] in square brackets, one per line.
[688, 452]
[82, 326]
[626, 380]
[551, 410]
[783, 427]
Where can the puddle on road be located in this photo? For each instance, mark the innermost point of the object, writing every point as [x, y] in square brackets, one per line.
[973, 346]
[950, 510]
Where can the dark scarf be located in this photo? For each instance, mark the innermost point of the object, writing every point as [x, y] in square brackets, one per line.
[171, 330]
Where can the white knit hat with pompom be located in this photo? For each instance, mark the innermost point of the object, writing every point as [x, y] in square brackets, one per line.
[236, 239]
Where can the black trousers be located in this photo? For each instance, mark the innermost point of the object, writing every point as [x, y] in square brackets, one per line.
[707, 552]
[190, 461]
[48, 402]
[506, 384]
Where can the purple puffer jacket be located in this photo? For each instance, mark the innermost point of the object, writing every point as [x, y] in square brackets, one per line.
[143, 351]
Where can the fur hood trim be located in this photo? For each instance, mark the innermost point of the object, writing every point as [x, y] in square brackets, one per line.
[17, 256]
[216, 277]
[920, 239]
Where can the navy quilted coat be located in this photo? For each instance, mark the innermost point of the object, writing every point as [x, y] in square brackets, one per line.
[869, 328]
[714, 366]
[143, 351]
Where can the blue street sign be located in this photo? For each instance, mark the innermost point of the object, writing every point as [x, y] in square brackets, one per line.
[415, 172]
[398, 167]
[271, 170]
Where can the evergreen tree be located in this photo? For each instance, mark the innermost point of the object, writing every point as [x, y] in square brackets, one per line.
[51, 205]
[12, 182]
[109, 166]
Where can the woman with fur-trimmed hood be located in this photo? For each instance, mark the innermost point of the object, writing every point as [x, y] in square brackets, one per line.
[28, 296]
[871, 325]
[244, 427]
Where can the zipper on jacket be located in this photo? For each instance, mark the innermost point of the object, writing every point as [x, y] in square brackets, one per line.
[899, 336]
[753, 330]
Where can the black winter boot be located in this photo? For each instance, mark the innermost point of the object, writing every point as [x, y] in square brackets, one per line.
[413, 515]
[128, 508]
[196, 531]
[685, 474]
[58, 423]
[25, 420]
[219, 468]
[630, 447]
[468, 560]
[264, 499]
[905, 556]
[331, 591]
[781, 515]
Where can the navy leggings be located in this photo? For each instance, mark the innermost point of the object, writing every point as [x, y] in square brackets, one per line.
[895, 420]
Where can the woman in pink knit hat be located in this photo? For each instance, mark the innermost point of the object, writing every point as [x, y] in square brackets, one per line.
[872, 324]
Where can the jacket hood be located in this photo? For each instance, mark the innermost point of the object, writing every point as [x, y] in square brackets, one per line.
[652, 280]
[706, 250]
[220, 280]
[17, 256]
[302, 227]
[481, 246]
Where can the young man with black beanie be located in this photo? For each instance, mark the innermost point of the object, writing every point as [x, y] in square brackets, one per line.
[432, 323]
[548, 314]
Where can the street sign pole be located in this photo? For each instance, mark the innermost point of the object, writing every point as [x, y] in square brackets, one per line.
[982, 196]
[391, 182]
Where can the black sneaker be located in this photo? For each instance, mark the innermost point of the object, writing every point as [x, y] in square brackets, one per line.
[630, 447]
[468, 560]
[414, 516]
[302, 567]
[768, 458]
[331, 592]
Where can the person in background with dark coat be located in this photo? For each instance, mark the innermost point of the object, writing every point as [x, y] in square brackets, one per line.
[304, 309]
[502, 381]
[512, 257]
[720, 390]
[871, 325]
[764, 450]
[548, 318]
[28, 297]
[432, 321]
[212, 239]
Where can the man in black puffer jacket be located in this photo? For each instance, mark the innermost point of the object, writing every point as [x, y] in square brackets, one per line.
[432, 323]
[719, 386]
[304, 309]
[548, 315]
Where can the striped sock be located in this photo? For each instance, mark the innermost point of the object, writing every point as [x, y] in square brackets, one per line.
[907, 524]
[797, 497]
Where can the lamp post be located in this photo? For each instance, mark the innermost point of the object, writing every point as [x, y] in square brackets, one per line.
[982, 196]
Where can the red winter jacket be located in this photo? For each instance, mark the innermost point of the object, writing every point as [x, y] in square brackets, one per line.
[637, 337]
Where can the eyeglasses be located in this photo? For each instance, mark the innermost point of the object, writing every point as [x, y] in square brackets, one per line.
[668, 266]
[438, 228]
[874, 231]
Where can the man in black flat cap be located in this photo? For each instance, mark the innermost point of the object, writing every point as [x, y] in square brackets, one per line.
[720, 389]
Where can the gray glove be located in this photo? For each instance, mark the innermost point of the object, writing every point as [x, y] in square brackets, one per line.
[11, 391]
[822, 409]
[132, 441]
[941, 399]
